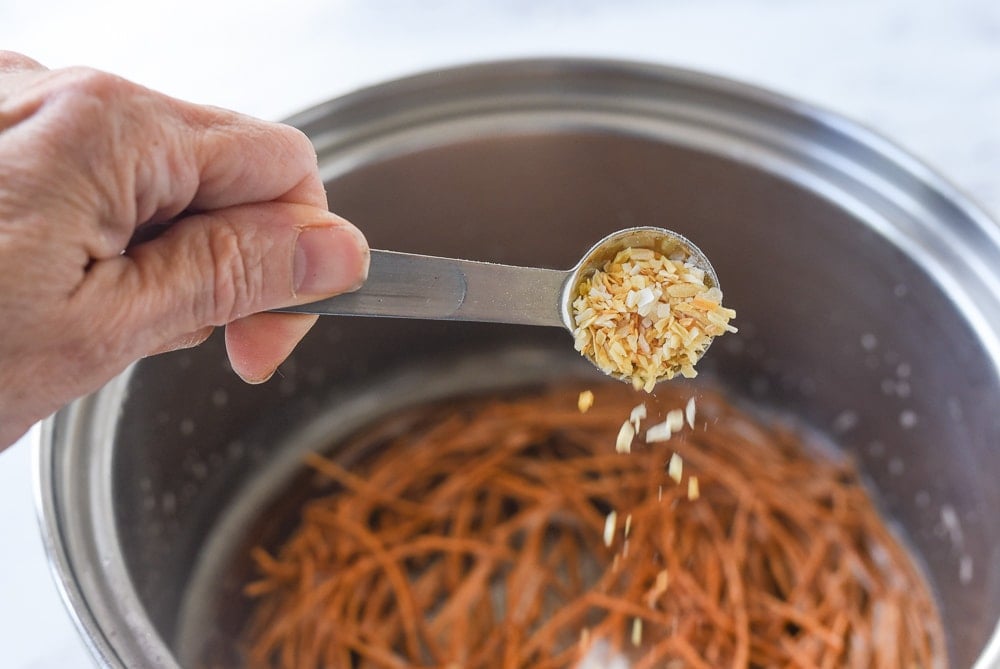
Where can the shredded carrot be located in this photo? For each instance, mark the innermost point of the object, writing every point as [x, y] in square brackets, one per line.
[473, 536]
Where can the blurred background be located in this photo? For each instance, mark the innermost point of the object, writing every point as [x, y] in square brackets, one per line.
[925, 73]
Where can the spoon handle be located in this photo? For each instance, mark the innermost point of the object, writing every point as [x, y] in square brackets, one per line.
[406, 285]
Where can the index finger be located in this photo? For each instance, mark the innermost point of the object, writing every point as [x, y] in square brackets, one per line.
[243, 160]
[12, 61]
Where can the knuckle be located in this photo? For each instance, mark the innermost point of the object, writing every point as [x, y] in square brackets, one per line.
[300, 154]
[296, 145]
[78, 100]
[87, 82]
[12, 61]
[237, 273]
[84, 97]
[299, 141]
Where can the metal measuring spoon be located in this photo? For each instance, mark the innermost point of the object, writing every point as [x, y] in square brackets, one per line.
[406, 285]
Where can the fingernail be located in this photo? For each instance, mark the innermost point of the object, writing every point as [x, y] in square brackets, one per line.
[329, 259]
[256, 381]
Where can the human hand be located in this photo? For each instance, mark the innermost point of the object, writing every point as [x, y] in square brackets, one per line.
[90, 164]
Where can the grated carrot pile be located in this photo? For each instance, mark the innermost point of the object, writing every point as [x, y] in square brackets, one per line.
[474, 536]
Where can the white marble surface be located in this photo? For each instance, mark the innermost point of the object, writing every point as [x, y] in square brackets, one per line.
[924, 72]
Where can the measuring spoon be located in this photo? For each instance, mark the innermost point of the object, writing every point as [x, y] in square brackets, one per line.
[406, 285]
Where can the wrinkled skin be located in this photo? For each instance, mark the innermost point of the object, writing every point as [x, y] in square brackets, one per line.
[90, 166]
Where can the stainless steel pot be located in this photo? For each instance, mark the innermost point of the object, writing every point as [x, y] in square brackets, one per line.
[866, 287]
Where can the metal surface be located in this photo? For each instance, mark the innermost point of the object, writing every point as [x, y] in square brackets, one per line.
[866, 290]
[409, 285]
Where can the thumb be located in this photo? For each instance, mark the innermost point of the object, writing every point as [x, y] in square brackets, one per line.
[211, 269]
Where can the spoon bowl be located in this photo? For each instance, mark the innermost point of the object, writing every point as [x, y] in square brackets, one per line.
[661, 240]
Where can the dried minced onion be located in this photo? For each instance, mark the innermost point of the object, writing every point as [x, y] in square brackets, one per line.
[694, 490]
[610, 524]
[675, 468]
[623, 444]
[637, 416]
[646, 317]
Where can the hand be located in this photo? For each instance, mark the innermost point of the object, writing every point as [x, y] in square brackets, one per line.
[90, 166]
